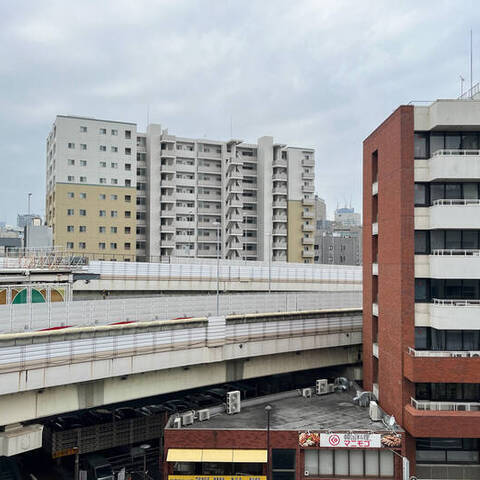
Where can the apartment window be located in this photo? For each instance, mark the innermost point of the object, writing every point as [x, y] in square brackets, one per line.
[114, 149]
[103, 164]
[127, 230]
[113, 213]
[103, 180]
[128, 214]
[113, 246]
[102, 196]
[126, 246]
[82, 245]
[102, 213]
[70, 245]
[114, 181]
[141, 215]
[128, 198]
[83, 163]
[141, 171]
[113, 196]
[70, 212]
[128, 151]
[83, 129]
[421, 194]
[141, 230]
[70, 195]
[420, 145]
[83, 195]
[128, 134]
[102, 131]
[101, 246]
[128, 183]
[113, 229]
[70, 228]
[128, 167]
[447, 450]
[83, 146]
[141, 201]
[82, 228]
[114, 132]
[101, 229]
[83, 179]
[114, 165]
[103, 148]
[71, 145]
[83, 213]
[141, 186]
[71, 161]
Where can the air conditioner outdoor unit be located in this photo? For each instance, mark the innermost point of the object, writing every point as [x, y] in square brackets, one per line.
[374, 411]
[321, 386]
[187, 418]
[177, 423]
[233, 402]
[307, 473]
[204, 414]
[307, 392]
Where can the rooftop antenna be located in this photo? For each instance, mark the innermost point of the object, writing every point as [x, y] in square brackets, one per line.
[461, 86]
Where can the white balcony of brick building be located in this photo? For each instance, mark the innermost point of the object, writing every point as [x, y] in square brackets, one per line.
[462, 314]
[307, 241]
[451, 214]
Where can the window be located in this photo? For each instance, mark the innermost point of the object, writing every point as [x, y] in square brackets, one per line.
[128, 183]
[126, 246]
[128, 167]
[82, 228]
[82, 245]
[113, 213]
[70, 245]
[101, 246]
[114, 149]
[141, 215]
[113, 246]
[83, 195]
[83, 163]
[113, 196]
[128, 214]
[103, 180]
[70, 195]
[70, 212]
[103, 164]
[421, 242]
[71, 145]
[128, 198]
[102, 196]
[83, 129]
[83, 146]
[83, 213]
[140, 230]
[447, 450]
[128, 134]
[127, 230]
[421, 194]
[114, 132]
[141, 171]
[102, 213]
[114, 165]
[141, 201]
[420, 145]
[102, 131]
[70, 228]
[114, 181]
[283, 464]
[128, 151]
[141, 186]
[113, 229]
[71, 162]
[83, 179]
[101, 229]
[103, 148]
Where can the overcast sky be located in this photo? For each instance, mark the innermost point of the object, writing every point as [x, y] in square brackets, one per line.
[310, 73]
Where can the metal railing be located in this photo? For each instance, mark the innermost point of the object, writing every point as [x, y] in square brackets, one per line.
[445, 152]
[428, 405]
[456, 302]
[456, 201]
[42, 258]
[443, 353]
[457, 251]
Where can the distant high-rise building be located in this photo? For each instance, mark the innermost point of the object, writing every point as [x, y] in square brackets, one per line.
[347, 217]
[115, 193]
[320, 210]
[26, 219]
[338, 246]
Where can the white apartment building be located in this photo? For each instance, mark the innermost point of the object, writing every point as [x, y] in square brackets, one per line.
[192, 196]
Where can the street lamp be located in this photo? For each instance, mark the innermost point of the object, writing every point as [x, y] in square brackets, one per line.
[268, 409]
[217, 224]
[145, 447]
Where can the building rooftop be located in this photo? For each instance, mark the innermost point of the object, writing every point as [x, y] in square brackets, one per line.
[333, 411]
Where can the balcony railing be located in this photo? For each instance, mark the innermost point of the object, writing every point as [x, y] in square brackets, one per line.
[456, 302]
[445, 406]
[375, 349]
[443, 353]
[457, 251]
[455, 152]
[456, 202]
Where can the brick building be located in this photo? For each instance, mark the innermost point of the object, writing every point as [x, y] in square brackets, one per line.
[326, 437]
[421, 291]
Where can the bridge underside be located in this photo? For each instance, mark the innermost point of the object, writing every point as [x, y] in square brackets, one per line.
[33, 404]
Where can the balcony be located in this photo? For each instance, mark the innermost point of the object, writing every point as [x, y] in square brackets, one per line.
[375, 390]
[279, 190]
[234, 175]
[280, 176]
[183, 167]
[279, 204]
[168, 228]
[214, 167]
[186, 182]
[170, 212]
[375, 309]
[442, 419]
[234, 231]
[308, 253]
[441, 366]
[455, 214]
[184, 224]
[279, 245]
[280, 162]
[280, 218]
[185, 210]
[308, 202]
[167, 199]
[308, 188]
[307, 176]
[235, 217]
[232, 188]
[307, 215]
[375, 188]
[375, 349]
[463, 314]
[449, 165]
[168, 183]
[234, 203]
[308, 162]
[206, 211]
[306, 241]
[454, 263]
[375, 228]
[308, 228]
[374, 268]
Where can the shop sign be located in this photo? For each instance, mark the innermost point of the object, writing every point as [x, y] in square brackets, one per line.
[349, 440]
